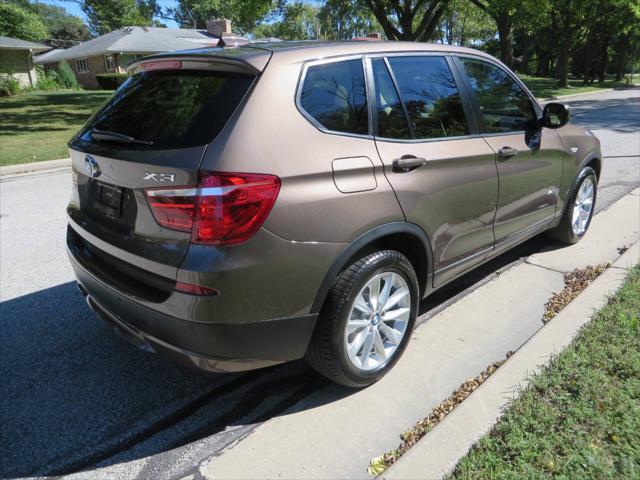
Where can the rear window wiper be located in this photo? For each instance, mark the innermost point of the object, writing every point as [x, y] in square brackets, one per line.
[116, 137]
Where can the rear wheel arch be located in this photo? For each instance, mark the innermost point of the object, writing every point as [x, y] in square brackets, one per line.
[404, 237]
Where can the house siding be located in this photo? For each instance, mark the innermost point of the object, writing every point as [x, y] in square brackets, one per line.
[96, 65]
[17, 62]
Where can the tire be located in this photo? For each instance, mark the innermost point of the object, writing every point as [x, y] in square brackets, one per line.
[328, 351]
[566, 231]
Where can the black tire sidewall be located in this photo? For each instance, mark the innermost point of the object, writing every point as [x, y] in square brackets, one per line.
[386, 261]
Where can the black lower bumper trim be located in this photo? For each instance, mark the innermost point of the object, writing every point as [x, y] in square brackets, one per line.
[210, 346]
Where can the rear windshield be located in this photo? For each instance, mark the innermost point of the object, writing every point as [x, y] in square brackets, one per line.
[172, 109]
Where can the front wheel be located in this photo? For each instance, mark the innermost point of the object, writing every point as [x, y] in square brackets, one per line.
[579, 210]
[367, 320]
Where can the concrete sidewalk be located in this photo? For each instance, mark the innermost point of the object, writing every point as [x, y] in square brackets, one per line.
[437, 454]
[336, 432]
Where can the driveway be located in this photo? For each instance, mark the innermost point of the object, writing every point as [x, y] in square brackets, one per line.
[75, 397]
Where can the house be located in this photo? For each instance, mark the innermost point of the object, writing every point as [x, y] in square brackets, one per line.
[16, 59]
[110, 53]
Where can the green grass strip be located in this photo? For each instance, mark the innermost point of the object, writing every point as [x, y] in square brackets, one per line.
[580, 417]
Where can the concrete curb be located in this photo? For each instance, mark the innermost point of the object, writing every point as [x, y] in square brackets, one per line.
[570, 95]
[438, 453]
[24, 168]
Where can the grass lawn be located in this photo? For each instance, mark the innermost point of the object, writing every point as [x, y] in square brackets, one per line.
[580, 417]
[37, 125]
[543, 87]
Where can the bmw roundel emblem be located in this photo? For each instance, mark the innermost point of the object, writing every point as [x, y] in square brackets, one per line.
[91, 166]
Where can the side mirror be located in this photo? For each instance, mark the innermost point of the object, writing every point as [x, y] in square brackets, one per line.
[555, 115]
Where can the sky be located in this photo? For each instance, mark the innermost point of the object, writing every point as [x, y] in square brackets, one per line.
[74, 9]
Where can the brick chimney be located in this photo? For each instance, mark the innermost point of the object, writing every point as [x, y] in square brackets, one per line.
[218, 27]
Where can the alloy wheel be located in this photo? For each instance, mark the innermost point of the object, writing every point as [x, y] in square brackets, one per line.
[583, 206]
[378, 320]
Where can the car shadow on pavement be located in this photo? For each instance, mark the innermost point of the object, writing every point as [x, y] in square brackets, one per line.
[76, 396]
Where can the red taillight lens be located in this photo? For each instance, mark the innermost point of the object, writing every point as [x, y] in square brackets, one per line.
[225, 208]
[173, 208]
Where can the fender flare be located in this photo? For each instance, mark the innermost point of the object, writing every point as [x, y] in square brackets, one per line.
[591, 156]
[376, 233]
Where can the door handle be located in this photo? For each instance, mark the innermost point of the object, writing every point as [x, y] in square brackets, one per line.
[507, 152]
[407, 163]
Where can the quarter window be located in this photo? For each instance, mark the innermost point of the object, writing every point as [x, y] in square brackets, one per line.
[334, 94]
[504, 105]
[392, 122]
[82, 66]
[430, 95]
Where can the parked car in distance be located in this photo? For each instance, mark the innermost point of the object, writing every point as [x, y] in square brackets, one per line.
[242, 207]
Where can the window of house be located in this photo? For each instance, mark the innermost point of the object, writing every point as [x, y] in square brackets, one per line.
[334, 94]
[109, 63]
[504, 105]
[82, 66]
[430, 95]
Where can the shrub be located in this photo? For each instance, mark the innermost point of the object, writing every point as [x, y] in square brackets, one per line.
[48, 81]
[67, 78]
[9, 86]
[111, 81]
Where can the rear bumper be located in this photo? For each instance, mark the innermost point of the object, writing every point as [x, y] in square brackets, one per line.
[208, 346]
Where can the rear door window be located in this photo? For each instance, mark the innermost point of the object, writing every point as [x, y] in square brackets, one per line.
[172, 109]
[503, 104]
[431, 97]
[334, 94]
[391, 119]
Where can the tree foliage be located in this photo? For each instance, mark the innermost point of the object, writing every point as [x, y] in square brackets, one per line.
[463, 23]
[340, 20]
[104, 17]
[298, 21]
[245, 15]
[60, 24]
[19, 22]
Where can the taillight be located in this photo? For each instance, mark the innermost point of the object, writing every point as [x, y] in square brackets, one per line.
[224, 208]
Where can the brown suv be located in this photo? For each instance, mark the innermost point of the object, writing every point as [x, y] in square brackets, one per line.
[241, 207]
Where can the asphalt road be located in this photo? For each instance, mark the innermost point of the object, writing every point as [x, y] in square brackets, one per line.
[78, 399]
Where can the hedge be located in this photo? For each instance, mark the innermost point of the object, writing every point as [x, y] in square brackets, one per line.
[111, 81]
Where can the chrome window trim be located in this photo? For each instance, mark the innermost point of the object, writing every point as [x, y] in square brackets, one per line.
[429, 140]
[310, 118]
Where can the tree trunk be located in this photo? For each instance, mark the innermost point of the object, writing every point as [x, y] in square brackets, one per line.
[526, 55]
[603, 64]
[505, 35]
[622, 51]
[563, 65]
[543, 64]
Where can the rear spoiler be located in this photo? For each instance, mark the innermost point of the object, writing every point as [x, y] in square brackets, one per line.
[252, 62]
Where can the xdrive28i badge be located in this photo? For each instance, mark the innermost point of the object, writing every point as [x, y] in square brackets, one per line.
[91, 166]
